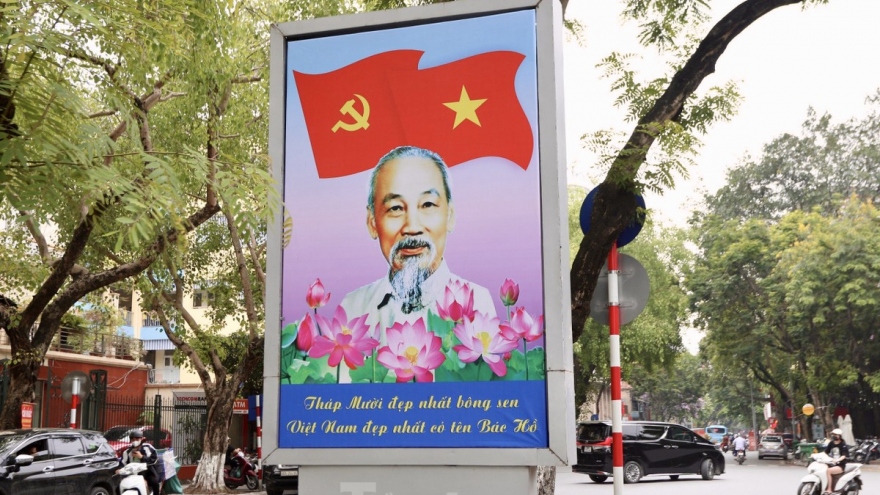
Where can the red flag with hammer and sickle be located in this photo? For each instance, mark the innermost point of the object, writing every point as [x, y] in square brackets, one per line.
[462, 110]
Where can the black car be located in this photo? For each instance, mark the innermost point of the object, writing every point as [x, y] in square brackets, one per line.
[649, 448]
[281, 478]
[57, 461]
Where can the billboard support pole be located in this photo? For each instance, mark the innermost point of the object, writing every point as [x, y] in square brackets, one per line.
[614, 361]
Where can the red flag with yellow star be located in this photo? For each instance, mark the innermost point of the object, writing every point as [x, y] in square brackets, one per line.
[466, 109]
[461, 110]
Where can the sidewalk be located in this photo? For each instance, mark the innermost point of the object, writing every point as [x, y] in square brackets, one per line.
[242, 490]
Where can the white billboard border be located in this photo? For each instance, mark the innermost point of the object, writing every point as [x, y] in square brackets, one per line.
[554, 218]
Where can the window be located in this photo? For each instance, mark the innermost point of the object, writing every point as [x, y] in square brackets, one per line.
[94, 443]
[592, 433]
[651, 432]
[202, 299]
[679, 434]
[39, 449]
[169, 362]
[67, 447]
[630, 432]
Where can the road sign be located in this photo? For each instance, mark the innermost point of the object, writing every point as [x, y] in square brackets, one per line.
[634, 289]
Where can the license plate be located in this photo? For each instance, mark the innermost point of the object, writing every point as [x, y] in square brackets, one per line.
[290, 472]
[586, 449]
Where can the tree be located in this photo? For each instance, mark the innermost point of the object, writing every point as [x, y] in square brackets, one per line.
[787, 254]
[668, 112]
[820, 168]
[652, 340]
[115, 156]
[676, 396]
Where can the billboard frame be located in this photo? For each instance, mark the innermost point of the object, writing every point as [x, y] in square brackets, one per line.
[554, 221]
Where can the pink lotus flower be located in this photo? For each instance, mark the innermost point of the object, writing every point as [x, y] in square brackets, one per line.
[412, 351]
[482, 337]
[509, 292]
[343, 339]
[523, 326]
[315, 297]
[457, 303]
[307, 333]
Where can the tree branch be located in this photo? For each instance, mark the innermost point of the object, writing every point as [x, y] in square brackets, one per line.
[614, 206]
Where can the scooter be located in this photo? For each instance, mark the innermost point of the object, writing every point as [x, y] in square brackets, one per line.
[847, 483]
[740, 456]
[243, 472]
[133, 482]
[862, 453]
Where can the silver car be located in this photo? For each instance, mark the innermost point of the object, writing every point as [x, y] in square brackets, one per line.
[772, 445]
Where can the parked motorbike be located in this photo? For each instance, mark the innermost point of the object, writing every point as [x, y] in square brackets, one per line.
[847, 483]
[133, 483]
[862, 453]
[242, 472]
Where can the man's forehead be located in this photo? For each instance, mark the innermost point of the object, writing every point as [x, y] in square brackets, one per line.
[410, 174]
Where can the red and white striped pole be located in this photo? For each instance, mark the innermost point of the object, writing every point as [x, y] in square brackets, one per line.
[614, 360]
[74, 401]
[259, 437]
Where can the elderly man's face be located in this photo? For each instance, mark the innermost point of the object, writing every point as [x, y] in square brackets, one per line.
[411, 215]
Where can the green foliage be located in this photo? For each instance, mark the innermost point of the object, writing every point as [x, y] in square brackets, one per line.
[786, 283]
[677, 394]
[652, 340]
[820, 168]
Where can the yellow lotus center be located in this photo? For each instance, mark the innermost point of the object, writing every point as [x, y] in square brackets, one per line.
[346, 330]
[485, 338]
[411, 354]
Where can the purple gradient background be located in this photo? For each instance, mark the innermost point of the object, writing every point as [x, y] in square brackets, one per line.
[497, 203]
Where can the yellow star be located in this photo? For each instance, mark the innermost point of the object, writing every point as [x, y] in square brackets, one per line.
[465, 108]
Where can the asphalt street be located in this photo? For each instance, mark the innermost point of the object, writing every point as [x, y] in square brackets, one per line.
[755, 476]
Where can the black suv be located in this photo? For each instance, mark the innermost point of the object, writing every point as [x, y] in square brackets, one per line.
[281, 478]
[57, 461]
[649, 448]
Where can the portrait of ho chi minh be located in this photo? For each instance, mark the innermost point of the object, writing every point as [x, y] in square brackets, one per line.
[410, 212]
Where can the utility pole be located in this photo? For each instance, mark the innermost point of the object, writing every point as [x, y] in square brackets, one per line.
[754, 418]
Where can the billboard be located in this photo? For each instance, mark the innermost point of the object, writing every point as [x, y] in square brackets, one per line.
[418, 300]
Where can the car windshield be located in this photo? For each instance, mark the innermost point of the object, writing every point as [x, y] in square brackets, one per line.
[596, 432]
[715, 430]
[8, 440]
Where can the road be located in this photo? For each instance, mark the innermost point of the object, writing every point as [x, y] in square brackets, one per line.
[754, 476]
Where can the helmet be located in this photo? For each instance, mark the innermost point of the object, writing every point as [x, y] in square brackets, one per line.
[136, 434]
[837, 431]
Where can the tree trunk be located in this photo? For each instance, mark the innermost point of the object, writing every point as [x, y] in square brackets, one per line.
[22, 383]
[546, 480]
[209, 473]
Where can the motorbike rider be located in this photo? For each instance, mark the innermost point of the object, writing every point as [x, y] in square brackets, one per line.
[141, 451]
[740, 443]
[837, 450]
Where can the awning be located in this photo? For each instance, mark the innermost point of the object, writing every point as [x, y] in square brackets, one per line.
[155, 339]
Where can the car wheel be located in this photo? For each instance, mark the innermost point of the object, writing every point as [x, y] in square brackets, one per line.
[673, 477]
[808, 489]
[100, 490]
[707, 469]
[252, 482]
[632, 472]
[598, 478]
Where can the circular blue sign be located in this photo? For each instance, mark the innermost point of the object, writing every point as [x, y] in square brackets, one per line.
[631, 230]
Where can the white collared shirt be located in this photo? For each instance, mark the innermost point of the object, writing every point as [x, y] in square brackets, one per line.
[369, 298]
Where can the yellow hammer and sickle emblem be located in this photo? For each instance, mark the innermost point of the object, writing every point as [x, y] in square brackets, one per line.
[361, 120]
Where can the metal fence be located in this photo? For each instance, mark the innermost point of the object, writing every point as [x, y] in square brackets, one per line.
[166, 423]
